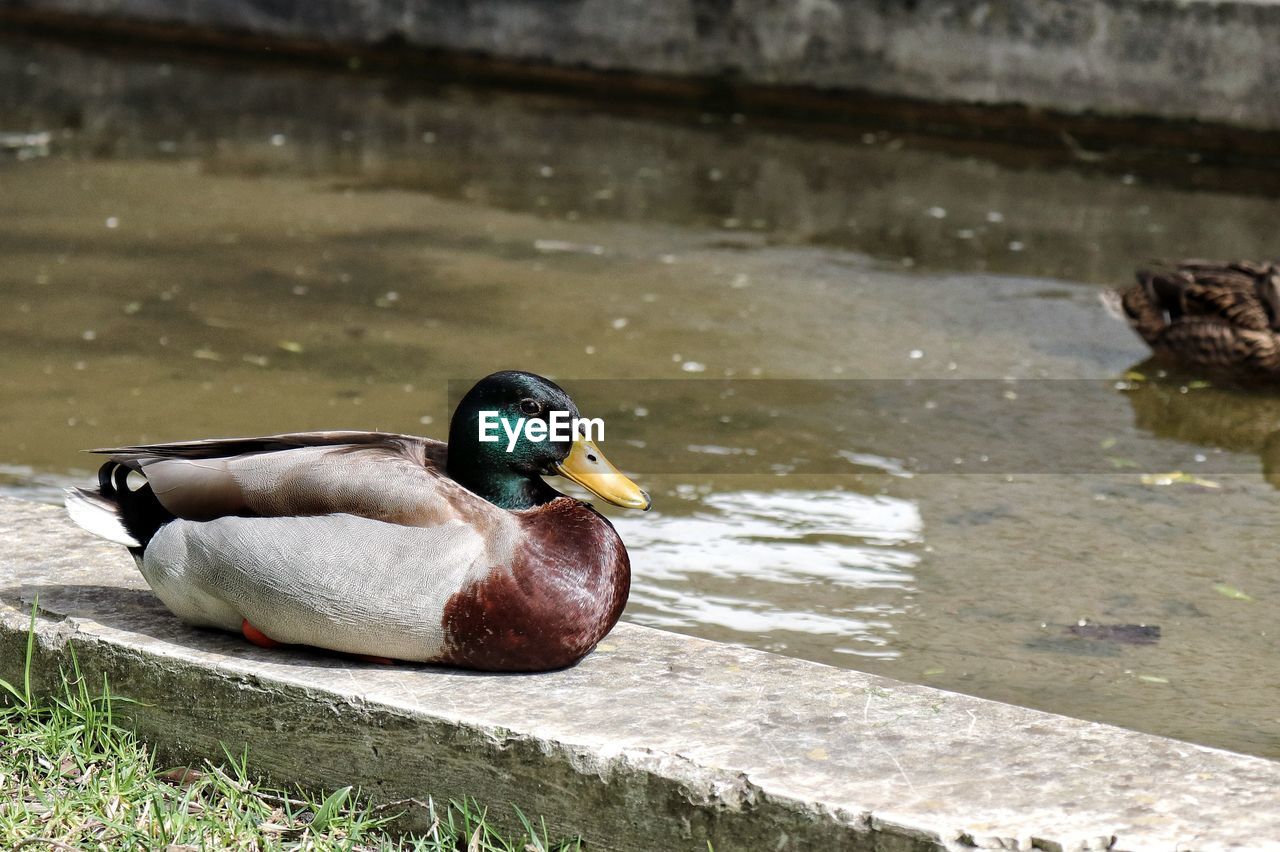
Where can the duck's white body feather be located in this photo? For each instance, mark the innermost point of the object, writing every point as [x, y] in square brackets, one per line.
[335, 581]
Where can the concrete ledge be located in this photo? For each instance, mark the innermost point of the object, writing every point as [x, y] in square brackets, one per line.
[657, 741]
[1206, 60]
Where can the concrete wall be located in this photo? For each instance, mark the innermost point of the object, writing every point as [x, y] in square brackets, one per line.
[1210, 60]
[655, 741]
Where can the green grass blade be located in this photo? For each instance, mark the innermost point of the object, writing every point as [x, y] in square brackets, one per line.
[329, 808]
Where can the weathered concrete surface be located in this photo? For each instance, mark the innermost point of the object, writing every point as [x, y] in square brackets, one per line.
[656, 741]
[1211, 60]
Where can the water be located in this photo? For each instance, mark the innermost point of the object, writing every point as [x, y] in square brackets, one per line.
[867, 378]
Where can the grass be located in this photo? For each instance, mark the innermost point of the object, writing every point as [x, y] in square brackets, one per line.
[73, 779]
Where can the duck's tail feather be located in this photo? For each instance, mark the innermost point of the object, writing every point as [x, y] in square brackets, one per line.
[117, 512]
[98, 515]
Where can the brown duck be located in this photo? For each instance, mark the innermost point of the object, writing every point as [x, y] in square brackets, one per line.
[1218, 317]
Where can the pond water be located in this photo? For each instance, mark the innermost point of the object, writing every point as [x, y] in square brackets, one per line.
[866, 377]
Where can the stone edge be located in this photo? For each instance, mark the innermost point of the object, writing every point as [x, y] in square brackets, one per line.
[324, 740]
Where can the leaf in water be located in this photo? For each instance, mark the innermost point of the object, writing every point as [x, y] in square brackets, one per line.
[1231, 592]
[1203, 483]
[937, 670]
[1198, 384]
[290, 346]
[1118, 463]
[1135, 376]
[207, 355]
[817, 754]
[1153, 679]
[1178, 477]
[1108, 443]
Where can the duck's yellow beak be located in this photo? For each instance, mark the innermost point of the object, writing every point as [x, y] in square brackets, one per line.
[588, 467]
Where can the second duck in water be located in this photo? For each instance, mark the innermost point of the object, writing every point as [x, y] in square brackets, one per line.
[1220, 318]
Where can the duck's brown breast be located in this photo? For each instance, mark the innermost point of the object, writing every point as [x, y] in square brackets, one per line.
[563, 591]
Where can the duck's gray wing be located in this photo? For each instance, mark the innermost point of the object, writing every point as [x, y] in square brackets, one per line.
[379, 475]
[208, 448]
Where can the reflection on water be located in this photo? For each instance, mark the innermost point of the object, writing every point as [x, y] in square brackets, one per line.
[1220, 418]
[928, 475]
[565, 160]
[764, 566]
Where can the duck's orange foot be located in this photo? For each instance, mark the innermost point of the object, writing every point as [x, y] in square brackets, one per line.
[370, 658]
[256, 636]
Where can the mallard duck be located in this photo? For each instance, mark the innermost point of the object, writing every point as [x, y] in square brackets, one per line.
[379, 545]
[1219, 317]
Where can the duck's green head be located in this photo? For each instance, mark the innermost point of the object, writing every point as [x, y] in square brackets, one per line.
[512, 429]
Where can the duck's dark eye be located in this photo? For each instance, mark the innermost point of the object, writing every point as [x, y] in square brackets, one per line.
[530, 406]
